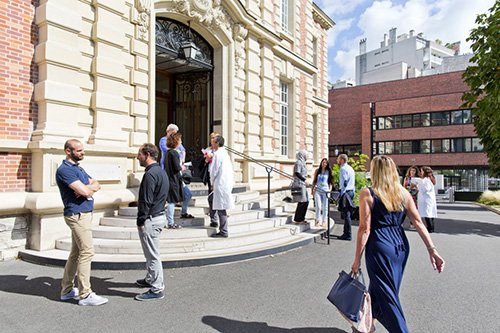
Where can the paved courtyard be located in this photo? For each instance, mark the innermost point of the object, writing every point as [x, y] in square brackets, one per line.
[282, 293]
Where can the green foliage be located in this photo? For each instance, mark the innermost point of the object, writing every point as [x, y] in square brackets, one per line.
[483, 79]
[361, 181]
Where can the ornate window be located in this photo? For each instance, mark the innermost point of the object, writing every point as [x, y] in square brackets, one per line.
[170, 36]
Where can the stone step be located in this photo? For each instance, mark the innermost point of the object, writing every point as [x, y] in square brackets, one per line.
[181, 259]
[236, 225]
[170, 246]
[252, 234]
[198, 204]
[235, 216]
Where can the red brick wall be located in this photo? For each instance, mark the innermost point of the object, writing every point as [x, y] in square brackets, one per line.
[349, 116]
[457, 160]
[427, 93]
[15, 172]
[18, 110]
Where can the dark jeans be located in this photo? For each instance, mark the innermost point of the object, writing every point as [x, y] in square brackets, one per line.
[300, 211]
[347, 224]
[347, 219]
[429, 221]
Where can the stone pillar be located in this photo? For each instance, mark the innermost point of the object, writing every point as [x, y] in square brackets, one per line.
[60, 57]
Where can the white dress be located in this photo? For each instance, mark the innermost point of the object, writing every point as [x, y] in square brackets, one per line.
[426, 197]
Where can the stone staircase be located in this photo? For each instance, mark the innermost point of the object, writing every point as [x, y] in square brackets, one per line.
[251, 234]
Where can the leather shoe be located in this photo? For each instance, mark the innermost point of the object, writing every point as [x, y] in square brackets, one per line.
[344, 237]
[214, 224]
[219, 235]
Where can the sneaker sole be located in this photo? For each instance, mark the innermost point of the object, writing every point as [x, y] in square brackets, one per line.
[148, 299]
[94, 304]
[77, 298]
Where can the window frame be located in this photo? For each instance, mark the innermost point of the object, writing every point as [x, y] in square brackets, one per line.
[284, 103]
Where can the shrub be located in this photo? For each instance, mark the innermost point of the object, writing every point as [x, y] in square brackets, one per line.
[490, 198]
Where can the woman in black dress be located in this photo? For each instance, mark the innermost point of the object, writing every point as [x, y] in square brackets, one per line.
[173, 169]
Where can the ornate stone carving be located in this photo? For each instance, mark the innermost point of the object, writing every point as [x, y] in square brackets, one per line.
[239, 32]
[143, 9]
[239, 55]
[239, 35]
[210, 13]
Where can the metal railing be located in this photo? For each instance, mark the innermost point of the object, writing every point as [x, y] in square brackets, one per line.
[268, 168]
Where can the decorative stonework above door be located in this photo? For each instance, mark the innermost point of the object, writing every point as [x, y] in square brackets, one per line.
[210, 13]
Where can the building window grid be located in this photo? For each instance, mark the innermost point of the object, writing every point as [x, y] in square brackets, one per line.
[349, 150]
[427, 146]
[445, 118]
[284, 15]
[284, 118]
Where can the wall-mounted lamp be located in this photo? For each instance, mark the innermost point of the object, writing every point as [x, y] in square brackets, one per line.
[188, 48]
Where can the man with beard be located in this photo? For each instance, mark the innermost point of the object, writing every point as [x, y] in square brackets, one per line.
[76, 188]
[151, 219]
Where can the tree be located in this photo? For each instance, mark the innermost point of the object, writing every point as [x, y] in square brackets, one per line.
[483, 79]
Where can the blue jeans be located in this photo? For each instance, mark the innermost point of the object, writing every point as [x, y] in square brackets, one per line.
[170, 213]
[321, 200]
[187, 197]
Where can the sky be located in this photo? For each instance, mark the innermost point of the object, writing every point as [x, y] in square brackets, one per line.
[447, 20]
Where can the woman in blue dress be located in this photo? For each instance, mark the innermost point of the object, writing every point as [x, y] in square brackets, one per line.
[382, 212]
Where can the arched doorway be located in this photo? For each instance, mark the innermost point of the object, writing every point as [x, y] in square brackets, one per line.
[184, 86]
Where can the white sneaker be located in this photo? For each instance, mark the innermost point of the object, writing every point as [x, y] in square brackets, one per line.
[93, 299]
[72, 294]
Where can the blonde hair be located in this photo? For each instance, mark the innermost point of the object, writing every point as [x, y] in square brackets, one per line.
[385, 181]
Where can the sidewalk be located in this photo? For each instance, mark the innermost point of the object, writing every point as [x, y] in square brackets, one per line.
[276, 294]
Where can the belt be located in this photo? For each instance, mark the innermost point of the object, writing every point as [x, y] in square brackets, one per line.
[157, 214]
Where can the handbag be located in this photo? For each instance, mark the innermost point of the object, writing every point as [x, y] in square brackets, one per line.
[350, 296]
[187, 176]
[299, 192]
[296, 190]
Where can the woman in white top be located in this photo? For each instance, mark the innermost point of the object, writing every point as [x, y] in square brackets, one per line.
[426, 200]
[321, 186]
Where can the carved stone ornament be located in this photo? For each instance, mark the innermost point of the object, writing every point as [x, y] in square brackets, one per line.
[239, 32]
[143, 9]
[208, 12]
[239, 35]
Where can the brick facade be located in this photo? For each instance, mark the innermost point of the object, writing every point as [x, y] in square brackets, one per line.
[350, 117]
[18, 110]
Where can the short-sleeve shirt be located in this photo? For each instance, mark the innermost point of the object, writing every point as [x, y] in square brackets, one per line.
[322, 182]
[66, 174]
